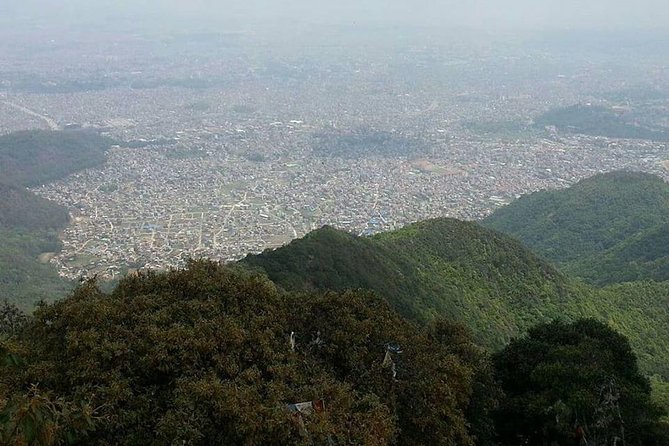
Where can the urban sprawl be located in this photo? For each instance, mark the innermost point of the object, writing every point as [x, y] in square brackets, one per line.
[236, 166]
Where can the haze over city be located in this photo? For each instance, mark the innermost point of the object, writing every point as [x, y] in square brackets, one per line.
[485, 14]
[303, 222]
[238, 127]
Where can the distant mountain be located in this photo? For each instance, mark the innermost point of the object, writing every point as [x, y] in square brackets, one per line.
[606, 229]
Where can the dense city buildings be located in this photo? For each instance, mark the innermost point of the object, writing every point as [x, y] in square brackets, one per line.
[226, 151]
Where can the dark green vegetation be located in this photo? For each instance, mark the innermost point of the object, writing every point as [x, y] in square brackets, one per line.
[506, 130]
[565, 383]
[605, 229]
[641, 311]
[24, 280]
[28, 223]
[473, 275]
[35, 157]
[440, 267]
[28, 228]
[22, 209]
[599, 121]
[365, 142]
[203, 356]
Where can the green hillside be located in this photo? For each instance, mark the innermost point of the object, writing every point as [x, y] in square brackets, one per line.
[641, 310]
[643, 256]
[28, 229]
[605, 229]
[475, 275]
[20, 208]
[28, 223]
[440, 267]
[24, 280]
[35, 157]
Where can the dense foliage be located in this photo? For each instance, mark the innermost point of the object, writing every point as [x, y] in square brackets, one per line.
[640, 310]
[473, 275]
[440, 267]
[599, 121]
[34, 157]
[202, 356]
[24, 280]
[22, 209]
[642, 256]
[28, 223]
[215, 355]
[607, 228]
[574, 383]
[28, 230]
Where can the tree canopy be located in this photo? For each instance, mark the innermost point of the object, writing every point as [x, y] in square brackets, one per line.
[606, 229]
[213, 355]
[567, 380]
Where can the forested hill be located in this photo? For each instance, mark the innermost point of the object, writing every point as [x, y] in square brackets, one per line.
[463, 271]
[28, 223]
[28, 229]
[608, 228]
[437, 267]
[600, 121]
[21, 209]
[35, 157]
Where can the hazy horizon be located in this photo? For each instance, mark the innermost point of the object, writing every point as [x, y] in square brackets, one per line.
[519, 15]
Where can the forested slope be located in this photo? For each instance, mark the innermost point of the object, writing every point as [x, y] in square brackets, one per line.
[605, 229]
[460, 270]
[436, 267]
[35, 157]
[19, 208]
[29, 224]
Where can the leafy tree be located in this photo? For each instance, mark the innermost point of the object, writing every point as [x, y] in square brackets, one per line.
[11, 319]
[566, 377]
[486, 393]
[202, 356]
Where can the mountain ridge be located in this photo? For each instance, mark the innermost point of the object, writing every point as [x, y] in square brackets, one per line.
[602, 229]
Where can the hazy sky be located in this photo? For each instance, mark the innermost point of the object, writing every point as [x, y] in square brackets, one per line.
[517, 14]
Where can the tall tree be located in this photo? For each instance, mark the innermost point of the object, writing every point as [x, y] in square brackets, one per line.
[568, 381]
